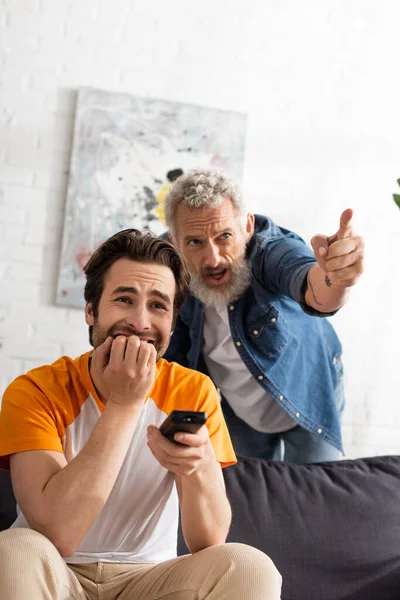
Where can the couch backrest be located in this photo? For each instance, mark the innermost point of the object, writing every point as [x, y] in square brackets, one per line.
[332, 529]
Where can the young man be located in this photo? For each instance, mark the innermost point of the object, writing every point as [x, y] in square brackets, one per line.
[250, 323]
[93, 476]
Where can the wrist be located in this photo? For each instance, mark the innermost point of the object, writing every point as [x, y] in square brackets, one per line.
[204, 474]
[128, 400]
[119, 406]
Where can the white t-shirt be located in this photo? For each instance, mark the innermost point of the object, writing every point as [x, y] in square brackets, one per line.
[249, 401]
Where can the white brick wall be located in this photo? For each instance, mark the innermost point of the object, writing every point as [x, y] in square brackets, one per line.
[320, 83]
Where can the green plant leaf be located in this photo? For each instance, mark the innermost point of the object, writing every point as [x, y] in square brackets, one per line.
[396, 198]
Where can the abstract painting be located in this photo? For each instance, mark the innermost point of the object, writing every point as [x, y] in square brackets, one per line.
[127, 151]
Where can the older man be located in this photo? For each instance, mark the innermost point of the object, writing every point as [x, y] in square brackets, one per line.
[254, 320]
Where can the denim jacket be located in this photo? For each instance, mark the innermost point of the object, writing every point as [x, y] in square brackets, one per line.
[292, 354]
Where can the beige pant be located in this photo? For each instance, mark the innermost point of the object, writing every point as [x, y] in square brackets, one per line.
[32, 569]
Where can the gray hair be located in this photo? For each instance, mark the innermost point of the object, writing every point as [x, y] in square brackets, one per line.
[202, 188]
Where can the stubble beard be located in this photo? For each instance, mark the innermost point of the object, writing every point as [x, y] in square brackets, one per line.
[239, 282]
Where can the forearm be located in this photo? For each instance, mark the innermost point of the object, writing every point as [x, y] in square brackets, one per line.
[321, 296]
[74, 496]
[205, 510]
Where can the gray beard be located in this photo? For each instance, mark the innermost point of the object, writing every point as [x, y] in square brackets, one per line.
[240, 281]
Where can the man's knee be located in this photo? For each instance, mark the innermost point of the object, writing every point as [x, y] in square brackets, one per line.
[248, 566]
[29, 560]
[23, 545]
[247, 557]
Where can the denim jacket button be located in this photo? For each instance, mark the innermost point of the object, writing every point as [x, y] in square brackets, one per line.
[334, 360]
[260, 377]
[231, 307]
[281, 397]
[297, 415]
[255, 332]
[273, 320]
[319, 431]
[238, 344]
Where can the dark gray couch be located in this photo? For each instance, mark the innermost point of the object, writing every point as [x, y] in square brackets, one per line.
[332, 529]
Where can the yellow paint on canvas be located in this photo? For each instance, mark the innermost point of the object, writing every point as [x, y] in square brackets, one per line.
[160, 201]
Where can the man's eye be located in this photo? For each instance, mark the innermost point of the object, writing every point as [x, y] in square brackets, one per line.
[194, 243]
[123, 299]
[226, 235]
[159, 305]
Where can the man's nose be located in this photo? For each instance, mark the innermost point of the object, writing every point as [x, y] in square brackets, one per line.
[139, 318]
[211, 255]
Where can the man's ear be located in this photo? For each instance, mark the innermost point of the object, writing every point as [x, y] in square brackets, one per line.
[249, 226]
[89, 314]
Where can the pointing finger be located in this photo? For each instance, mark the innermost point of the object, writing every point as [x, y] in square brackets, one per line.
[345, 228]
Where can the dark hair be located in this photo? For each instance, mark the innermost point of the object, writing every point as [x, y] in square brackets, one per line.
[143, 247]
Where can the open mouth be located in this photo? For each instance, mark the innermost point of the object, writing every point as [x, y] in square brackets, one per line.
[217, 277]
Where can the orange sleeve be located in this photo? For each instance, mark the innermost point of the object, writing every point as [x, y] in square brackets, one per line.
[27, 421]
[180, 388]
[217, 429]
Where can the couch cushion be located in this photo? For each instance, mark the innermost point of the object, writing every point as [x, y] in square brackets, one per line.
[8, 512]
[332, 529]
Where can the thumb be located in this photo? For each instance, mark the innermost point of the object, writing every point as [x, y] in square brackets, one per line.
[102, 353]
[320, 244]
[345, 227]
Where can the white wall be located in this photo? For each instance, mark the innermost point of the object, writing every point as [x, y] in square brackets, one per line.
[320, 82]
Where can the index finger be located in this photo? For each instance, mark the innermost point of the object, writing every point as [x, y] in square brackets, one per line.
[132, 349]
[169, 447]
[345, 227]
[193, 439]
[101, 354]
